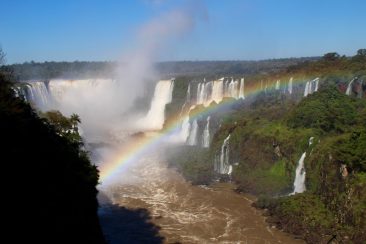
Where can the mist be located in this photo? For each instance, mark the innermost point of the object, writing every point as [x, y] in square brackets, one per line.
[106, 106]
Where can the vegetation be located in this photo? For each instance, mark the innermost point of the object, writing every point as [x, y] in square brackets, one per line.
[80, 69]
[270, 132]
[50, 184]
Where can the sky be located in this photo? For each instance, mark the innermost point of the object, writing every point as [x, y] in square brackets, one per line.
[103, 30]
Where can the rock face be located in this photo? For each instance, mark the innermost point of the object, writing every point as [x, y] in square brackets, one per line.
[343, 170]
[277, 151]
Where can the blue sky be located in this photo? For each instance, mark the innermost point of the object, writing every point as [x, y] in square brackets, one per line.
[68, 30]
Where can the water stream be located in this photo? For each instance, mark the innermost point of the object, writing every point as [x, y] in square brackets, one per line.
[184, 213]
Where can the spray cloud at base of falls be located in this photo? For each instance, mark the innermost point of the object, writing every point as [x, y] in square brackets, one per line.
[102, 104]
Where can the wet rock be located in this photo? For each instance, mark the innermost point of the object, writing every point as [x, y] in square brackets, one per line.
[343, 170]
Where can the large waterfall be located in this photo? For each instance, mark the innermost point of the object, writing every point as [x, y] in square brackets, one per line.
[216, 90]
[206, 134]
[192, 138]
[99, 102]
[162, 96]
[299, 183]
[222, 164]
[206, 93]
[62, 94]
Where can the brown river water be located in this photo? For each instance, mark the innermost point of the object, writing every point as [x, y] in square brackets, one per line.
[151, 203]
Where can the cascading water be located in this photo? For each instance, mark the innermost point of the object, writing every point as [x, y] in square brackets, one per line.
[299, 183]
[349, 87]
[233, 89]
[218, 90]
[208, 94]
[241, 89]
[206, 134]
[38, 93]
[222, 165]
[162, 96]
[289, 88]
[316, 81]
[188, 100]
[278, 84]
[311, 87]
[192, 138]
[306, 90]
[183, 134]
[311, 140]
[201, 93]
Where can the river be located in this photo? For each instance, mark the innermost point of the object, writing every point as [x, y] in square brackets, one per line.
[152, 203]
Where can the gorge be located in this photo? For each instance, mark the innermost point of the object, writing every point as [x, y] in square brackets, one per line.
[266, 136]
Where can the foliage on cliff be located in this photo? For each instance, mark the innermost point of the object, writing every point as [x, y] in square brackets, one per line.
[270, 132]
[50, 184]
[335, 171]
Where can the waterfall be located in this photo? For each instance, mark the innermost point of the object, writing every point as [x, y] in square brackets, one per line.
[38, 93]
[201, 93]
[185, 129]
[162, 96]
[316, 81]
[232, 89]
[206, 134]
[306, 91]
[349, 87]
[188, 98]
[222, 165]
[183, 134]
[299, 183]
[192, 138]
[277, 84]
[311, 87]
[20, 92]
[208, 94]
[311, 140]
[226, 88]
[217, 90]
[241, 89]
[289, 88]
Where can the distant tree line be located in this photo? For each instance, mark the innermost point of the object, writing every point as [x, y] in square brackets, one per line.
[81, 69]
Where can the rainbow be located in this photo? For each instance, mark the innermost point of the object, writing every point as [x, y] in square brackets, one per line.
[139, 146]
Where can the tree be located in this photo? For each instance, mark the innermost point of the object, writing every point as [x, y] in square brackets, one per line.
[331, 56]
[2, 57]
[361, 53]
[64, 126]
